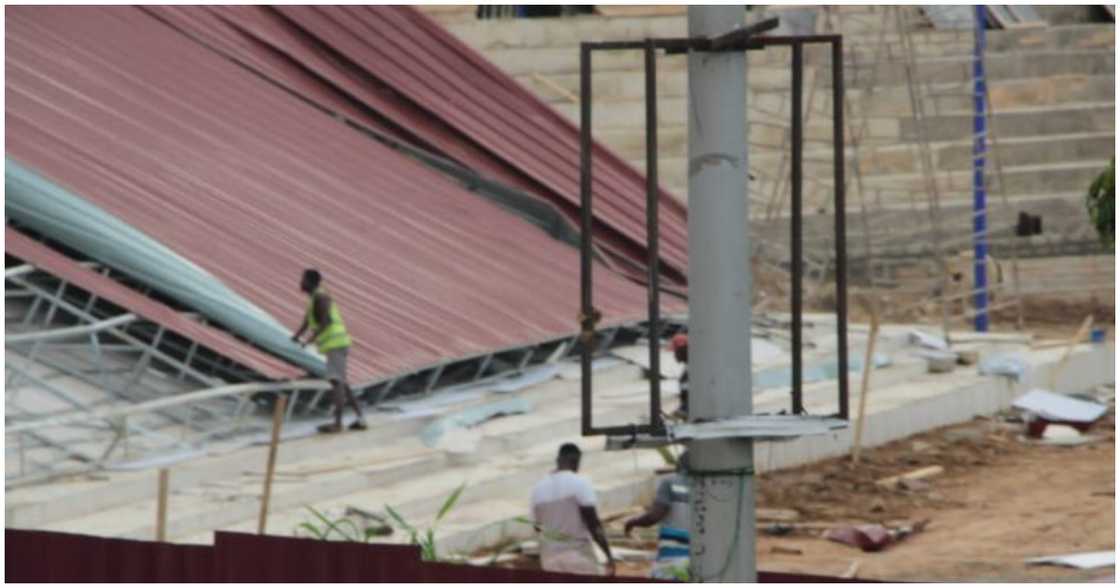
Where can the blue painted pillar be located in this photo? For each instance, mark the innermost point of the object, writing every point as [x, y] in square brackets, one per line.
[979, 198]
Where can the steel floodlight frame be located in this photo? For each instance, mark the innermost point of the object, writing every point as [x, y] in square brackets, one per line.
[743, 39]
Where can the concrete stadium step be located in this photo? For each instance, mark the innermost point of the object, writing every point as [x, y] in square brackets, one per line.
[1085, 117]
[946, 42]
[628, 140]
[874, 69]
[330, 479]
[235, 497]
[1015, 180]
[947, 155]
[771, 122]
[34, 506]
[999, 66]
[1015, 152]
[485, 35]
[419, 498]
[1063, 215]
[1006, 94]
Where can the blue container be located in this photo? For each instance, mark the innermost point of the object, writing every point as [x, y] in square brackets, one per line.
[1097, 336]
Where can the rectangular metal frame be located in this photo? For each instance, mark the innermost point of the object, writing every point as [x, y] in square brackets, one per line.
[739, 40]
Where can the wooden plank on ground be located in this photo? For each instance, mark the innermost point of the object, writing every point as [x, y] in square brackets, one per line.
[919, 474]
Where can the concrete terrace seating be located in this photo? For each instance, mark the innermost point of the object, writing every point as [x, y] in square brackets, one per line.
[1051, 89]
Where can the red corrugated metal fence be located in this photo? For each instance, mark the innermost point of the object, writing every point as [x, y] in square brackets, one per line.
[47, 556]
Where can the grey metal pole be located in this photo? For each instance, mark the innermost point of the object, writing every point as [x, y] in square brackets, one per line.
[723, 539]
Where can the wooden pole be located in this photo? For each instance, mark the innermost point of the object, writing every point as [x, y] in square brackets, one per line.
[277, 423]
[865, 383]
[161, 505]
[1082, 332]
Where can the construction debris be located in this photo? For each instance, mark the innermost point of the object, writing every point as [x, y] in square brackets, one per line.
[939, 362]
[1081, 561]
[1011, 366]
[865, 537]
[873, 537]
[777, 514]
[472, 417]
[1058, 408]
[919, 474]
[627, 554]
[1063, 435]
[968, 357]
[852, 570]
[928, 341]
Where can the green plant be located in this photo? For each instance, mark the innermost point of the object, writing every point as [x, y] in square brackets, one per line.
[343, 527]
[511, 546]
[1101, 202]
[681, 573]
[426, 540]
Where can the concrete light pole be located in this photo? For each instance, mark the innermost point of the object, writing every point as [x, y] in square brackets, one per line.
[723, 540]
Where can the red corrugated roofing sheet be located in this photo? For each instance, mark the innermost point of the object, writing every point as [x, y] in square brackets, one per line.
[19, 245]
[254, 185]
[444, 96]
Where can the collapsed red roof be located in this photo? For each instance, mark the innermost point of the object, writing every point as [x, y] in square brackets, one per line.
[393, 67]
[254, 184]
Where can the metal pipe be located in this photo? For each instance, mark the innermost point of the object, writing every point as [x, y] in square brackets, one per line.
[19, 270]
[162, 403]
[979, 197]
[586, 309]
[795, 274]
[652, 263]
[722, 543]
[838, 214]
[62, 333]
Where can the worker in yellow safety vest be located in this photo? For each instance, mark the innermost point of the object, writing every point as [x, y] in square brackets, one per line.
[330, 336]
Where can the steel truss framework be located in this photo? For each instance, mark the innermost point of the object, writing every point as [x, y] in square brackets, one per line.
[121, 391]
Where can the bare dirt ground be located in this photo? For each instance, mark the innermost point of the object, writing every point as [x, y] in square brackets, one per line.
[998, 502]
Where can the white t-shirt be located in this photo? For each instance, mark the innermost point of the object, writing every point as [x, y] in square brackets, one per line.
[555, 504]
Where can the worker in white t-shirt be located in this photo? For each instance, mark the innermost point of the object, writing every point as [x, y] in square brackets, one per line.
[563, 506]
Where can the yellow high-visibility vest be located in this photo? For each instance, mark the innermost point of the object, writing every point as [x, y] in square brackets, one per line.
[335, 335]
